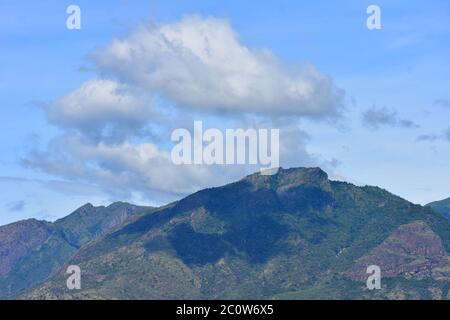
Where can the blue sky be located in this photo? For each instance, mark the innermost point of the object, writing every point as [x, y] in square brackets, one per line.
[396, 82]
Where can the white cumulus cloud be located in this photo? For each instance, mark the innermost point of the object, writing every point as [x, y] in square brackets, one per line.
[101, 109]
[109, 124]
[200, 63]
[124, 168]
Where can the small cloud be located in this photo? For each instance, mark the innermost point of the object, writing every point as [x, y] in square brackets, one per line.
[44, 215]
[442, 103]
[424, 189]
[427, 137]
[435, 137]
[447, 134]
[334, 163]
[408, 124]
[374, 118]
[16, 206]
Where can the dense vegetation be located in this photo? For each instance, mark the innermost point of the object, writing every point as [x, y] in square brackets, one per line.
[292, 235]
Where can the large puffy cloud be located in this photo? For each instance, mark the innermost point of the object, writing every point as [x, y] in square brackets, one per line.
[200, 63]
[101, 109]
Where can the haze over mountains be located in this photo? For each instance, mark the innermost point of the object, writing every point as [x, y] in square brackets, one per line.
[292, 235]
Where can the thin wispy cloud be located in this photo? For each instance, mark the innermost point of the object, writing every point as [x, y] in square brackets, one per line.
[16, 206]
[375, 118]
[434, 137]
[428, 137]
[445, 103]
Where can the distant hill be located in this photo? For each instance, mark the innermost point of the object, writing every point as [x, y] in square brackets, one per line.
[31, 250]
[293, 235]
[442, 207]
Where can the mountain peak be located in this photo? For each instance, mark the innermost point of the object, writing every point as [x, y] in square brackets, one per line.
[302, 173]
[86, 206]
[291, 177]
[120, 204]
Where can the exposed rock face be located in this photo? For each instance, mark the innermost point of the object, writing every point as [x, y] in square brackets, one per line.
[412, 250]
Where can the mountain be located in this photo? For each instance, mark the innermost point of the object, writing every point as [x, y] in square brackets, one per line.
[292, 235]
[442, 207]
[31, 250]
[89, 222]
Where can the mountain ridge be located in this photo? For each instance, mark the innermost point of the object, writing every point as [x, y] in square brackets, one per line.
[31, 249]
[295, 234]
[442, 206]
